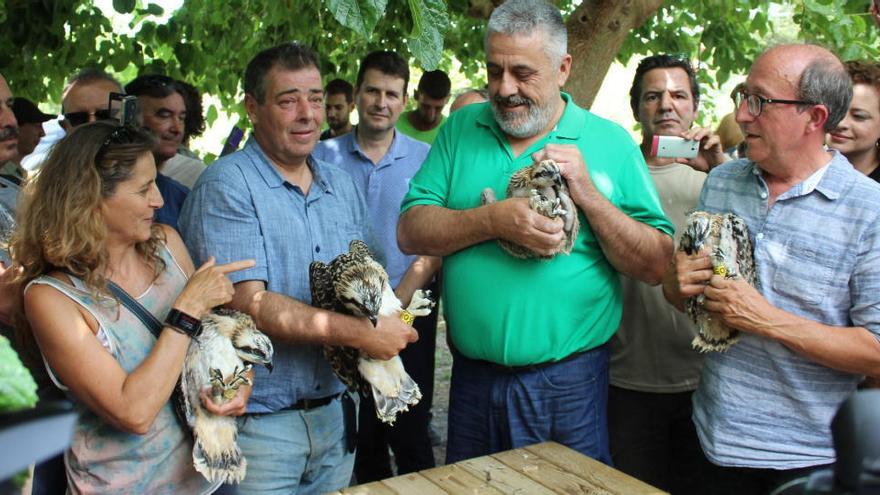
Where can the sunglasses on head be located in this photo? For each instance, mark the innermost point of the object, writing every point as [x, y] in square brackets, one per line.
[123, 134]
[80, 118]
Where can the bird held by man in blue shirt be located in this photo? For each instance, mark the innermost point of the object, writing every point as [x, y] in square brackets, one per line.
[354, 283]
[725, 237]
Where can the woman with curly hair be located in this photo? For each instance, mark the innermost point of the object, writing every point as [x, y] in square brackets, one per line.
[858, 134]
[86, 221]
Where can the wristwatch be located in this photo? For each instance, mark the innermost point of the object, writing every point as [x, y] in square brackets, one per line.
[183, 323]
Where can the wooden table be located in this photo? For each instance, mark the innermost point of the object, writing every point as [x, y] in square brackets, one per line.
[544, 468]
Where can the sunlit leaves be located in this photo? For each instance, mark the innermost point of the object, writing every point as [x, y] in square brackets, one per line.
[360, 16]
[430, 21]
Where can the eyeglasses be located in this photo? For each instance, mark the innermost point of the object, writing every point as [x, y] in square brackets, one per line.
[79, 118]
[755, 103]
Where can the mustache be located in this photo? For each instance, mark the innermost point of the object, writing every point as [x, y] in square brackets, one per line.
[512, 100]
[8, 132]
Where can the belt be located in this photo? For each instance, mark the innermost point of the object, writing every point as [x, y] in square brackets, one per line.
[530, 367]
[308, 404]
[517, 369]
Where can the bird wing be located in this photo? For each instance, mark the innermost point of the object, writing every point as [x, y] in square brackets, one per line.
[342, 359]
[321, 285]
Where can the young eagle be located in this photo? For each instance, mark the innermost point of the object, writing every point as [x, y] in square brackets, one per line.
[220, 359]
[726, 238]
[548, 194]
[355, 284]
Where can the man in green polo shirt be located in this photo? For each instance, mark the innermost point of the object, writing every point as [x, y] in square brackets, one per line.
[529, 336]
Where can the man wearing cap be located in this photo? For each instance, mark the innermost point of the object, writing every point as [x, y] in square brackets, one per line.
[30, 125]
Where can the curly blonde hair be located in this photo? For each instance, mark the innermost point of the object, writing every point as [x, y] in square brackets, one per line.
[58, 224]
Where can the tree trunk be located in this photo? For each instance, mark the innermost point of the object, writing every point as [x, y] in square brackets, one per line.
[596, 31]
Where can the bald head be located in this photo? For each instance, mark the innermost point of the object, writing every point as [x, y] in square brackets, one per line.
[815, 74]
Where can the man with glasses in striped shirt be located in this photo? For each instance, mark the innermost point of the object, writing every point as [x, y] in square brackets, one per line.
[810, 328]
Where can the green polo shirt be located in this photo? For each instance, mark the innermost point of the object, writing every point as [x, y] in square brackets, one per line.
[517, 312]
[404, 126]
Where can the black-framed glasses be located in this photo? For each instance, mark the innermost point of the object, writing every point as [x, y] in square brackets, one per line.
[755, 103]
[79, 118]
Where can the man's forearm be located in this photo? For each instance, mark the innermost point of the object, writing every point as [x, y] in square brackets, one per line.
[438, 231]
[849, 349]
[284, 318]
[635, 249]
[416, 277]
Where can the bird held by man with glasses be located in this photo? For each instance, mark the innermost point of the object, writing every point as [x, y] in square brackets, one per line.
[548, 195]
[725, 237]
[220, 359]
[354, 283]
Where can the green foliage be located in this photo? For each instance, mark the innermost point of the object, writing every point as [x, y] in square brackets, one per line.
[208, 42]
[17, 388]
[726, 35]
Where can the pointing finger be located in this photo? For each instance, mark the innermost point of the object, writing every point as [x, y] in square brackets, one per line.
[236, 266]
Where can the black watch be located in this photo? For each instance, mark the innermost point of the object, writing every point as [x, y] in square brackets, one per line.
[184, 323]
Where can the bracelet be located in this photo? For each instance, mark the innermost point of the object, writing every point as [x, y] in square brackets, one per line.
[183, 323]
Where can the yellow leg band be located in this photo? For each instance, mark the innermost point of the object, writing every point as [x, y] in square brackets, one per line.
[407, 317]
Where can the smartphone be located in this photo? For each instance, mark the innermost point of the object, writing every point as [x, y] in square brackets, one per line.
[125, 109]
[674, 147]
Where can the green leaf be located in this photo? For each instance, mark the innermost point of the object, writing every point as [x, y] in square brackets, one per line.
[360, 16]
[155, 9]
[124, 6]
[430, 22]
[211, 116]
[819, 8]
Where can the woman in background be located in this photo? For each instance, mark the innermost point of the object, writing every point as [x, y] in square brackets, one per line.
[858, 134]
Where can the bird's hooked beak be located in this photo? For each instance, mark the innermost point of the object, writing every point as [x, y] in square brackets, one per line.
[269, 367]
[374, 320]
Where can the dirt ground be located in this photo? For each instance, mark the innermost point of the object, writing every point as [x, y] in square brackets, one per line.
[442, 374]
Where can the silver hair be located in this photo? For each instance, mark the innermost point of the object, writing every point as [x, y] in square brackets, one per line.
[825, 82]
[523, 17]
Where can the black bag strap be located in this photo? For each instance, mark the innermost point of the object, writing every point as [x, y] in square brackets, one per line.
[147, 318]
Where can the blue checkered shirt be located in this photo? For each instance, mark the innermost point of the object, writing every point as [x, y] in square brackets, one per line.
[383, 184]
[817, 249]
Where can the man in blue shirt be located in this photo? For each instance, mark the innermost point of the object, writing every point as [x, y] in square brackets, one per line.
[382, 162]
[277, 203]
[810, 329]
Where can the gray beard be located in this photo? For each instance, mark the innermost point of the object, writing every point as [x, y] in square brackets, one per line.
[536, 119]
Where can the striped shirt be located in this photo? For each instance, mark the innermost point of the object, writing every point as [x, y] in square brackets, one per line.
[816, 251]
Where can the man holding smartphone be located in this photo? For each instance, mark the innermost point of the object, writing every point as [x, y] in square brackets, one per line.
[654, 371]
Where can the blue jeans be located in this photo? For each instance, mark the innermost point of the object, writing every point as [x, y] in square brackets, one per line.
[491, 410]
[292, 451]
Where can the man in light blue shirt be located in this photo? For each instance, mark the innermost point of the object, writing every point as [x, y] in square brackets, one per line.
[382, 162]
[284, 208]
[811, 327]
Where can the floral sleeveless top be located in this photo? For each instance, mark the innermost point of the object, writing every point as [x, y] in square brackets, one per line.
[104, 459]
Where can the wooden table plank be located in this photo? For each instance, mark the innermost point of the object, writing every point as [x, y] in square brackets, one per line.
[502, 477]
[413, 483]
[548, 474]
[374, 488]
[591, 470]
[454, 479]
